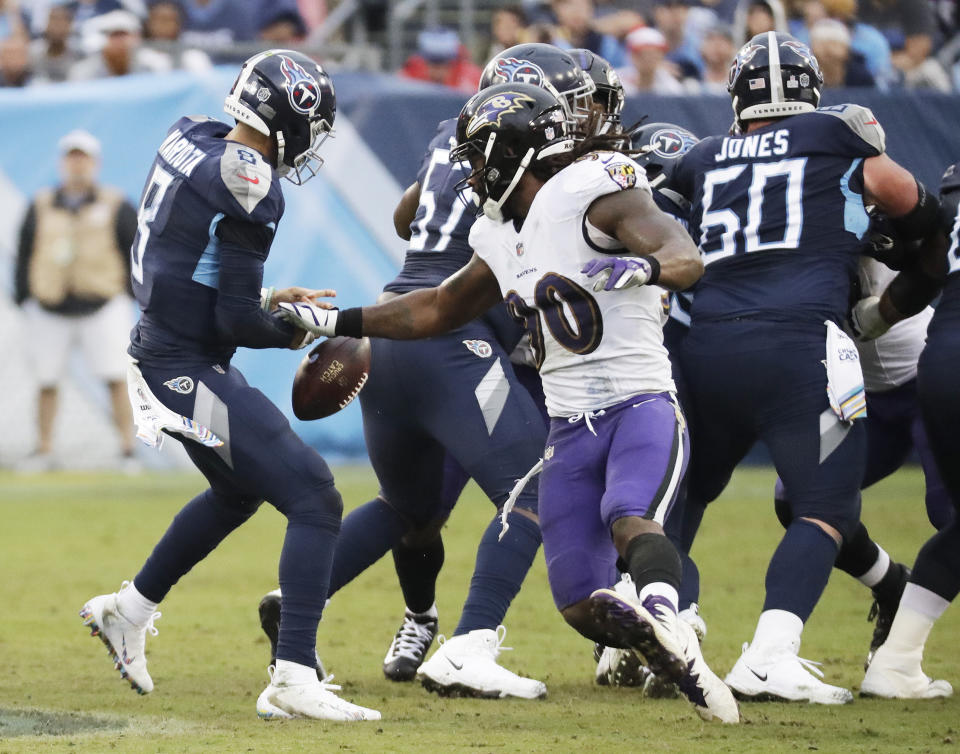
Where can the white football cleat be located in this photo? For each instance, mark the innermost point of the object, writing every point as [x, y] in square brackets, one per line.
[899, 676]
[287, 698]
[779, 674]
[710, 696]
[466, 665]
[125, 641]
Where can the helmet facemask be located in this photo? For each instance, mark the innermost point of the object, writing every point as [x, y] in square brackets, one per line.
[306, 164]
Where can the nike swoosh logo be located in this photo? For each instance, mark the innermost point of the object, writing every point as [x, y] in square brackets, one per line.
[455, 665]
[252, 180]
[761, 677]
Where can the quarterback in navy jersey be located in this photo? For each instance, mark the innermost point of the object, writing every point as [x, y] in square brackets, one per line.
[896, 671]
[778, 212]
[207, 217]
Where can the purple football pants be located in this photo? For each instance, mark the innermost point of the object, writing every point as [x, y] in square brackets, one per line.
[632, 466]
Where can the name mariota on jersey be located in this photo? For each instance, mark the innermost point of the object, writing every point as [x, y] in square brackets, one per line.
[180, 153]
[754, 145]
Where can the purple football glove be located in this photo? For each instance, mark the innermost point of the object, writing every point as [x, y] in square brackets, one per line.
[617, 273]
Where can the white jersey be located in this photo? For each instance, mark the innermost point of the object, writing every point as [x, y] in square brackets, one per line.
[594, 349]
[891, 359]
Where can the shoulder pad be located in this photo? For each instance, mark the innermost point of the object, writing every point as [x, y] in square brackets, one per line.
[862, 122]
[198, 118]
[446, 135]
[246, 175]
[601, 173]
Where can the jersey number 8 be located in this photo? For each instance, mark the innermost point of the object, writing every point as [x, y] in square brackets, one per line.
[157, 186]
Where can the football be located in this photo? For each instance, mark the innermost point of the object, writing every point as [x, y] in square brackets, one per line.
[330, 376]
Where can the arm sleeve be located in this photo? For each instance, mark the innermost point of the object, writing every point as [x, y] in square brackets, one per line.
[21, 277]
[126, 231]
[240, 320]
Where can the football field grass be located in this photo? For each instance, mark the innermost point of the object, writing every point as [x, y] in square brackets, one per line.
[66, 537]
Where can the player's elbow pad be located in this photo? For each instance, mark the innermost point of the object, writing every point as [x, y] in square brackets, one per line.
[920, 222]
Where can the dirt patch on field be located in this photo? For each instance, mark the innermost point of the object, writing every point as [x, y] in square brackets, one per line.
[36, 723]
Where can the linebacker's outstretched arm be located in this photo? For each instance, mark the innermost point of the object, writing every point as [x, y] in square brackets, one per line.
[634, 219]
[423, 313]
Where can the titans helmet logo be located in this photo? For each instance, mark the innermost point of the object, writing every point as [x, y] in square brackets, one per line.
[302, 88]
[671, 143]
[746, 54]
[522, 71]
[804, 52]
[491, 111]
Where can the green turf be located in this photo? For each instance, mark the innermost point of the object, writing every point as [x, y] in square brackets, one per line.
[66, 537]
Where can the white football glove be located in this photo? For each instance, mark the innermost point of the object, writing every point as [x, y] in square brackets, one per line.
[311, 318]
[866, 321]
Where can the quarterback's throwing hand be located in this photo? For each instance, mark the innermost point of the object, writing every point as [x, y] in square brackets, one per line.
[309, 317]
[616, 273]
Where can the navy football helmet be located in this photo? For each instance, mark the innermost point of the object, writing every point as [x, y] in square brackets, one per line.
[546, 66]
[609, 93]
[659, 148]
[286, 95]
[774, 76]
[505, 130]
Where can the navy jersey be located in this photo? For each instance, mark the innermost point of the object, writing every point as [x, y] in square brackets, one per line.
[778, 214]
[947, 313]
[441, 227]
[197, 181]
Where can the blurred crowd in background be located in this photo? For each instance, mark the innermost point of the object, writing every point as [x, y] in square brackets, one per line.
[658, 46]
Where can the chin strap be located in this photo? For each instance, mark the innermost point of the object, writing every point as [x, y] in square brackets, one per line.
[494, 209]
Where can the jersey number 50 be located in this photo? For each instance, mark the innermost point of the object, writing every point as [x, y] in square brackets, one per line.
[784, 198]
[571, 314]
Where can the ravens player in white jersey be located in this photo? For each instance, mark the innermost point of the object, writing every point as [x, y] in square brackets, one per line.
[617, 445]
[207, 219]
[778, 211]
[439, 411]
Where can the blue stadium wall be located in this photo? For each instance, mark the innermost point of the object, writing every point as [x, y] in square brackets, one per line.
[337, 231]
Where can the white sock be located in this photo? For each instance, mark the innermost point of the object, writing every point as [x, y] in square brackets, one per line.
[293, 673]
[134, 606]
[777, 628]
[661, 589]
[877, 571]
[918, 611]
[431, 613]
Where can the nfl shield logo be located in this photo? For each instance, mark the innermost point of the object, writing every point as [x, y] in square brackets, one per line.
[520, 248]
[480, 347]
